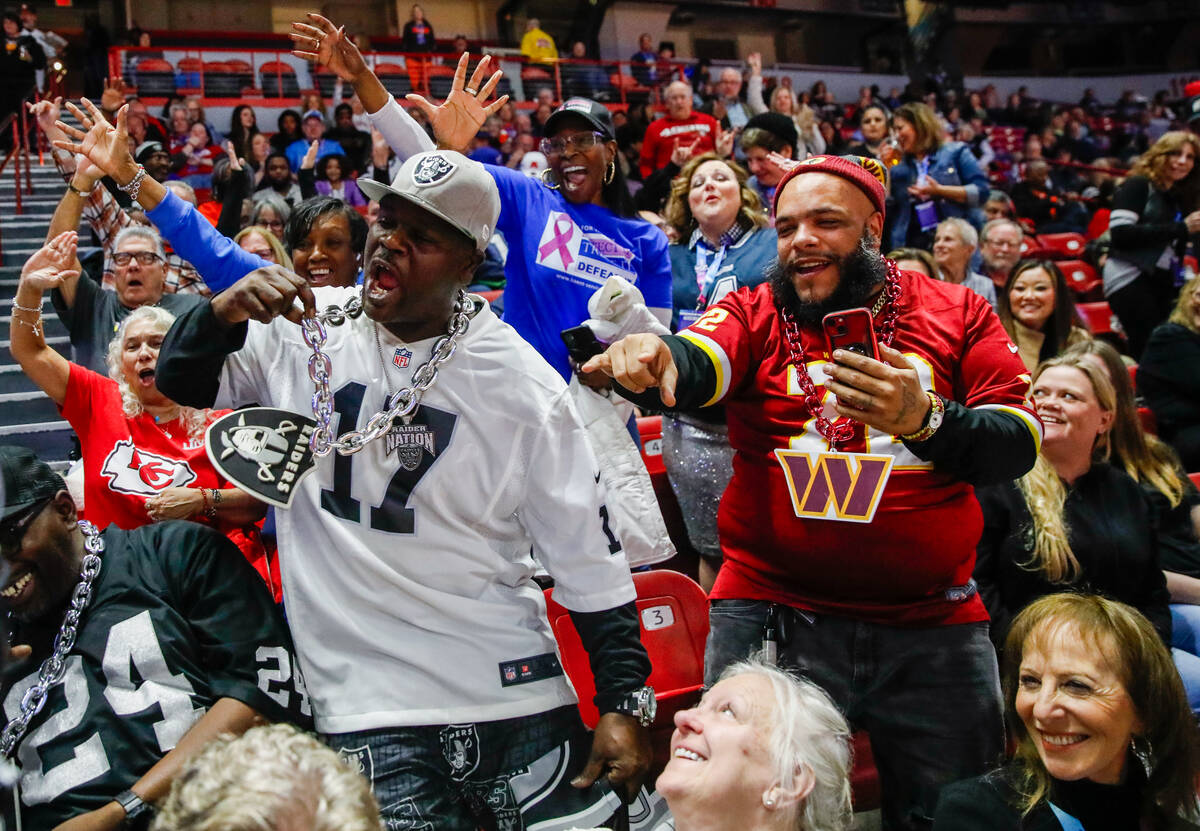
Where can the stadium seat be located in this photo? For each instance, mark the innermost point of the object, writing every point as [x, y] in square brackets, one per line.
[1082, 279]
[1195, 477]
[221, 80]
[278, 80]
[155, 78]
[1133, 376]
[1068, 246]
[441, 79]
[650, 430]
[1149, 423]
[395, 79]
[864, 777]
[188, 72]
[1098, 317]
[673, 612]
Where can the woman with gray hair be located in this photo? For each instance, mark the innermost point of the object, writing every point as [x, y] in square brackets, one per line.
[763, 750]
[144, 457]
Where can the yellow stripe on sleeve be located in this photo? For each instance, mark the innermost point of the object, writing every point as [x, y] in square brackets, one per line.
[717, 356]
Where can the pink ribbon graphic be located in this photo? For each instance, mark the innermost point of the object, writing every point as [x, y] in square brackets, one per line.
[562, 235]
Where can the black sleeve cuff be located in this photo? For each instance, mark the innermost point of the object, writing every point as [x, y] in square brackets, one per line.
[193, 353]
[979, 446]
[618, 659]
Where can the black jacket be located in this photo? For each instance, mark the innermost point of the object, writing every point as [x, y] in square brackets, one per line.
[1169, 377]
[1159, 224]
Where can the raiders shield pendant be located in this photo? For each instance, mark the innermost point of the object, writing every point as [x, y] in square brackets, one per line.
[264, 451]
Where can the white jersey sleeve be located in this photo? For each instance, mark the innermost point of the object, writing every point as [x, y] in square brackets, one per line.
[567, 518]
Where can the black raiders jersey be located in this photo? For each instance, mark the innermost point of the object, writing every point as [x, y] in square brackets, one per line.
[177, 620]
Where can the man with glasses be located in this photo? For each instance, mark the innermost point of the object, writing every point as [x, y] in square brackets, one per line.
[176, 642]
[91, 314]
[680, 127]
[1000, 248]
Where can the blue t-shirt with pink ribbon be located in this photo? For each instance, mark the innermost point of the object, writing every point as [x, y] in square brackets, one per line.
[559, 254]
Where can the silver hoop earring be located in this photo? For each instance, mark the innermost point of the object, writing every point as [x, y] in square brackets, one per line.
[547, 181]
[610, 172]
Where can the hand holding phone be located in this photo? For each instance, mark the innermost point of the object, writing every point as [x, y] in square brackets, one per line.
[852, 330]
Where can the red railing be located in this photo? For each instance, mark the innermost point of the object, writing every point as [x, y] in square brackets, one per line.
[276, 76]
[17, 123]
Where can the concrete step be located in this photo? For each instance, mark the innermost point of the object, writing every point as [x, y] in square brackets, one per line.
[49, 440]
[33, 407]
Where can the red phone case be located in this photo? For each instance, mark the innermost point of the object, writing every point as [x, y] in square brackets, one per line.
[852, 330]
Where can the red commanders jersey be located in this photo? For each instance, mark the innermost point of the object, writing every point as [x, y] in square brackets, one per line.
[663, 133]
[869, 531]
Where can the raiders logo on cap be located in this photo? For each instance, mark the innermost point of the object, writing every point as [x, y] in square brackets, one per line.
[264, 451]
[432, 169]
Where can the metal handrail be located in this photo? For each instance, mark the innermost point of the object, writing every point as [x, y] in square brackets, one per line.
[20, 148]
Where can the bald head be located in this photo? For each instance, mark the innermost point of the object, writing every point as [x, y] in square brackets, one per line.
[679, 100]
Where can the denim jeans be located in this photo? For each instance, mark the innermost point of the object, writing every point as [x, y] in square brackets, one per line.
[1185, 649]
[928, 697]
[505, 775]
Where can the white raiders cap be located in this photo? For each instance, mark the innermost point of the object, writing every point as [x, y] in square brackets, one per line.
[448, 185]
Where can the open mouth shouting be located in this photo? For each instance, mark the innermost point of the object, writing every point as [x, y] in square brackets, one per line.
[145, 377]
[382, 279]
[574, 176]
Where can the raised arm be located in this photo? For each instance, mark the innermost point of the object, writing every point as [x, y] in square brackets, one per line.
[454, 122]
[46, 269]
[217, 259]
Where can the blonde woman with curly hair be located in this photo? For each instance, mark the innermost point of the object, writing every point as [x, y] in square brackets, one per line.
[144, 457]
[1155, 212]
[723, 244]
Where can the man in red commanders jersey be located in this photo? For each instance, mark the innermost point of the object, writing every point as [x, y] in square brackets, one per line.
[681, 126]
[850, 524]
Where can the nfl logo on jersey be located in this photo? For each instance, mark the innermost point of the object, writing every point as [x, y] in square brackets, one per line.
[402, 357]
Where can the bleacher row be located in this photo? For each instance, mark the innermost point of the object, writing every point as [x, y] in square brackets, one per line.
[156, 77]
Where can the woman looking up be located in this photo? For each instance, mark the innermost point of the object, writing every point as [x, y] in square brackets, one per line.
[571, 231]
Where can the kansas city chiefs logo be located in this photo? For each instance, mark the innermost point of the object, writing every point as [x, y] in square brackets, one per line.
[139, 472]
[432, 169]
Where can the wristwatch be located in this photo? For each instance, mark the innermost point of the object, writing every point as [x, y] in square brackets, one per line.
[641, 704]
[933, 419]
[137, 813]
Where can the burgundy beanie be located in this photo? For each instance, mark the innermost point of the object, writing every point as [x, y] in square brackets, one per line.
[867, 174]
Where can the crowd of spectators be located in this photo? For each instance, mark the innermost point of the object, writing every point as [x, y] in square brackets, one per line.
[699, 215]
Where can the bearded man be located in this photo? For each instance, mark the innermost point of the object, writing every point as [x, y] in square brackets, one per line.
[849, 527]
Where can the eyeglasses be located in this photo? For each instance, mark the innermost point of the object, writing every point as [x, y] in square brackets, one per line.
[13, 529]
[143, 257]
[581, 141]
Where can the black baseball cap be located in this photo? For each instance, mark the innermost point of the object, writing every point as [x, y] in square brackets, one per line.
[593, 112]
[146, 149]
[27, 479]
[777, 124]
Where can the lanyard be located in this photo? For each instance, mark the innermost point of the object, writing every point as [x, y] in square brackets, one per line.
[703, 269]
[1068, 822]
[922, 170]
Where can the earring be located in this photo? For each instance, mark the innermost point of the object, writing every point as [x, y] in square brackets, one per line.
[610, 172]
[1144, 752]
[547, 181]
[768, 801]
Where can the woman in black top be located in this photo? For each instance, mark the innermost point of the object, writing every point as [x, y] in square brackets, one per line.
[1155, 212]
[289, 131]
[418, 34]
[1169, 376]
[1104, 737]
[20, 59]
[1072, 522]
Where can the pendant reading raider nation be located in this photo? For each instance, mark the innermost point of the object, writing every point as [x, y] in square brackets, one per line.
[264, 451]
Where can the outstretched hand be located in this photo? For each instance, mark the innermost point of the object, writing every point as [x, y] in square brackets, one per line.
[47, 112]
[52, 263]
[320, 42]
[782, 164]
[638, 362]
[310, 156]
[457, 119]
[114, 94]
[103, 144]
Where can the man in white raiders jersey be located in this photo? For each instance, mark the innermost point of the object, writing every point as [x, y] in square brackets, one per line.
[408, 565]
[136, 648]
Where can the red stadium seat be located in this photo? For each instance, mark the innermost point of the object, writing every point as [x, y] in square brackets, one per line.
[650, 429]
[1068, 246]
[278, 80]
[864, 778]
[1195, 477]
[1082, 279]
[1098, 317]
[1133, 376]
[673, 611]
[1149, 423]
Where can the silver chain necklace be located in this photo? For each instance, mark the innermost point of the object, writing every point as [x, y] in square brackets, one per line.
[53, 668]
[400, 404]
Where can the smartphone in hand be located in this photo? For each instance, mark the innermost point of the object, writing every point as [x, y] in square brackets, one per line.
[582, 344]
[852, 330]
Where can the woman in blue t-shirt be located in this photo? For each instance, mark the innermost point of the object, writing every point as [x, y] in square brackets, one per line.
[567, 233]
